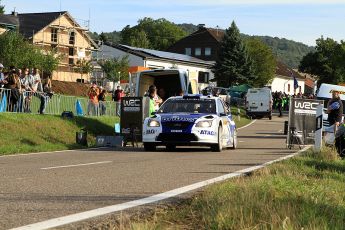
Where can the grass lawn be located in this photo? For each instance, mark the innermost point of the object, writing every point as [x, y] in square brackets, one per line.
[305, 192]
[24, 133]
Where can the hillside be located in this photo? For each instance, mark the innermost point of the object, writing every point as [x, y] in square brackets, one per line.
[287, 51]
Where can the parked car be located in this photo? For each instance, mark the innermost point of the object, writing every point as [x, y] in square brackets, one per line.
[191, 120]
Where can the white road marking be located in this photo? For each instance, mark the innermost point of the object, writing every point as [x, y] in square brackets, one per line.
[247, 125]
[59, 151]
[57, 222]
[77, 165]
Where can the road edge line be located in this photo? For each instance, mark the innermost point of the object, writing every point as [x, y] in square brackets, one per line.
[73, 218]
[247, 125]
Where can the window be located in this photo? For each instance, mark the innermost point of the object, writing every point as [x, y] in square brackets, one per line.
[71, 61]
[197, 51]
[54, 35]
[288, 88]
[220, 107]
[71, 51]
[203, 77]
[300, 89]
[188, 51]
[72, 38]
[208, 51]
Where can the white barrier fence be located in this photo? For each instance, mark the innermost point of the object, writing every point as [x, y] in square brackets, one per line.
[38, 102]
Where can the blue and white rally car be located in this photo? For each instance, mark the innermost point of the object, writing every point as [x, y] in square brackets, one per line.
[191, 120]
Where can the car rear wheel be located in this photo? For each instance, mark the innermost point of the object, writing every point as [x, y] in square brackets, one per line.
[149, 147]
[218, 147]
[170, 148]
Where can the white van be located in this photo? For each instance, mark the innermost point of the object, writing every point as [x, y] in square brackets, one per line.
[172, 81]
[325, 93]
[259, 103]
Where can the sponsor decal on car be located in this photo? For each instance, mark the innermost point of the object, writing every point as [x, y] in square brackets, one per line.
[177, 118]
[150, 131]
[207, 132]
[176, 131]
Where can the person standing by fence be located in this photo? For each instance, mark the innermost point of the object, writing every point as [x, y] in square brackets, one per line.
[101, 99]
[13, 83]
[92, 108]
[117, 95]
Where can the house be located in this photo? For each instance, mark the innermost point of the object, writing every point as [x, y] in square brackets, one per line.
[8, 22]
[284, 80]
[58, 31]
[143, 59]
[202, 44]
[205, 44]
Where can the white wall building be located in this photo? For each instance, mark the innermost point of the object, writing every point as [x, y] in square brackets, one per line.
[284, 80]
[153, 59]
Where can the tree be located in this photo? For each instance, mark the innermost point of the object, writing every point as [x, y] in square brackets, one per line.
[103, 37]
[2, 8]
[158, 34]
[233, 65]
[115, 67]
[84, 67]
[327, 62]
[264, 62]
[16, 51]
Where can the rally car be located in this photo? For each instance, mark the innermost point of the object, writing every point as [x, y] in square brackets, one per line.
[191, 120]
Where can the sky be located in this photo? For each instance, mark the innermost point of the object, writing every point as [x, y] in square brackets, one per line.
[298, 20]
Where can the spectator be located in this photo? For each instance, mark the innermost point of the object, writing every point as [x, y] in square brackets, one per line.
[92, 108]
[2, 77]
[37, 84]
[280, 104]
[335, 110]
[27, 82]
[156, 99]
[117, 95]
[45, 95]
[101, 99]
[162, 94]
[13, 83]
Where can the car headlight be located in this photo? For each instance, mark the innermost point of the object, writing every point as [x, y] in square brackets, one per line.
[153, 123]
[204, 124]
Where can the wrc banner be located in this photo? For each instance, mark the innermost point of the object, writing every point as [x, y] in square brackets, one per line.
[302, 121]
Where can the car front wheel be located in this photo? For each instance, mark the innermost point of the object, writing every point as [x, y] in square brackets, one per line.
[218, 147]
[149, 147]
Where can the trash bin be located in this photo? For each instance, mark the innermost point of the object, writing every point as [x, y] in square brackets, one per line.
[81, 137]
[286, 125]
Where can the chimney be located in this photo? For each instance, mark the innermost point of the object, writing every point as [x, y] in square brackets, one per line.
[14, 12]
[200, 26]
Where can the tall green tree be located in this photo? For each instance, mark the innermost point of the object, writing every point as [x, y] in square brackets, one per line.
[264, 62]
[327, 62]
[157, 34]
[233, 65]
[2, 8]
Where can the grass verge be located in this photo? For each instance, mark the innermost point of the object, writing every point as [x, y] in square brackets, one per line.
[239, 117]
[305, 192]
[24, 133]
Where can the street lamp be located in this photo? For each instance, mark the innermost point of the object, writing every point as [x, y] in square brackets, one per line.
[119, 77]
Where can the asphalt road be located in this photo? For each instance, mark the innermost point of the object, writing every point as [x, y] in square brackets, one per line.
[35, 188]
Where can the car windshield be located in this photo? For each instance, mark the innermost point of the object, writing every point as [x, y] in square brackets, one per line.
[188, 106]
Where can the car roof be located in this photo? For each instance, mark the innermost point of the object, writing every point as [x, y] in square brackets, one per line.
[195, 96]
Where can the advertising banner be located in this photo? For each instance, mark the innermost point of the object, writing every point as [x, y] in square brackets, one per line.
[131, 120]
[302, 121]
